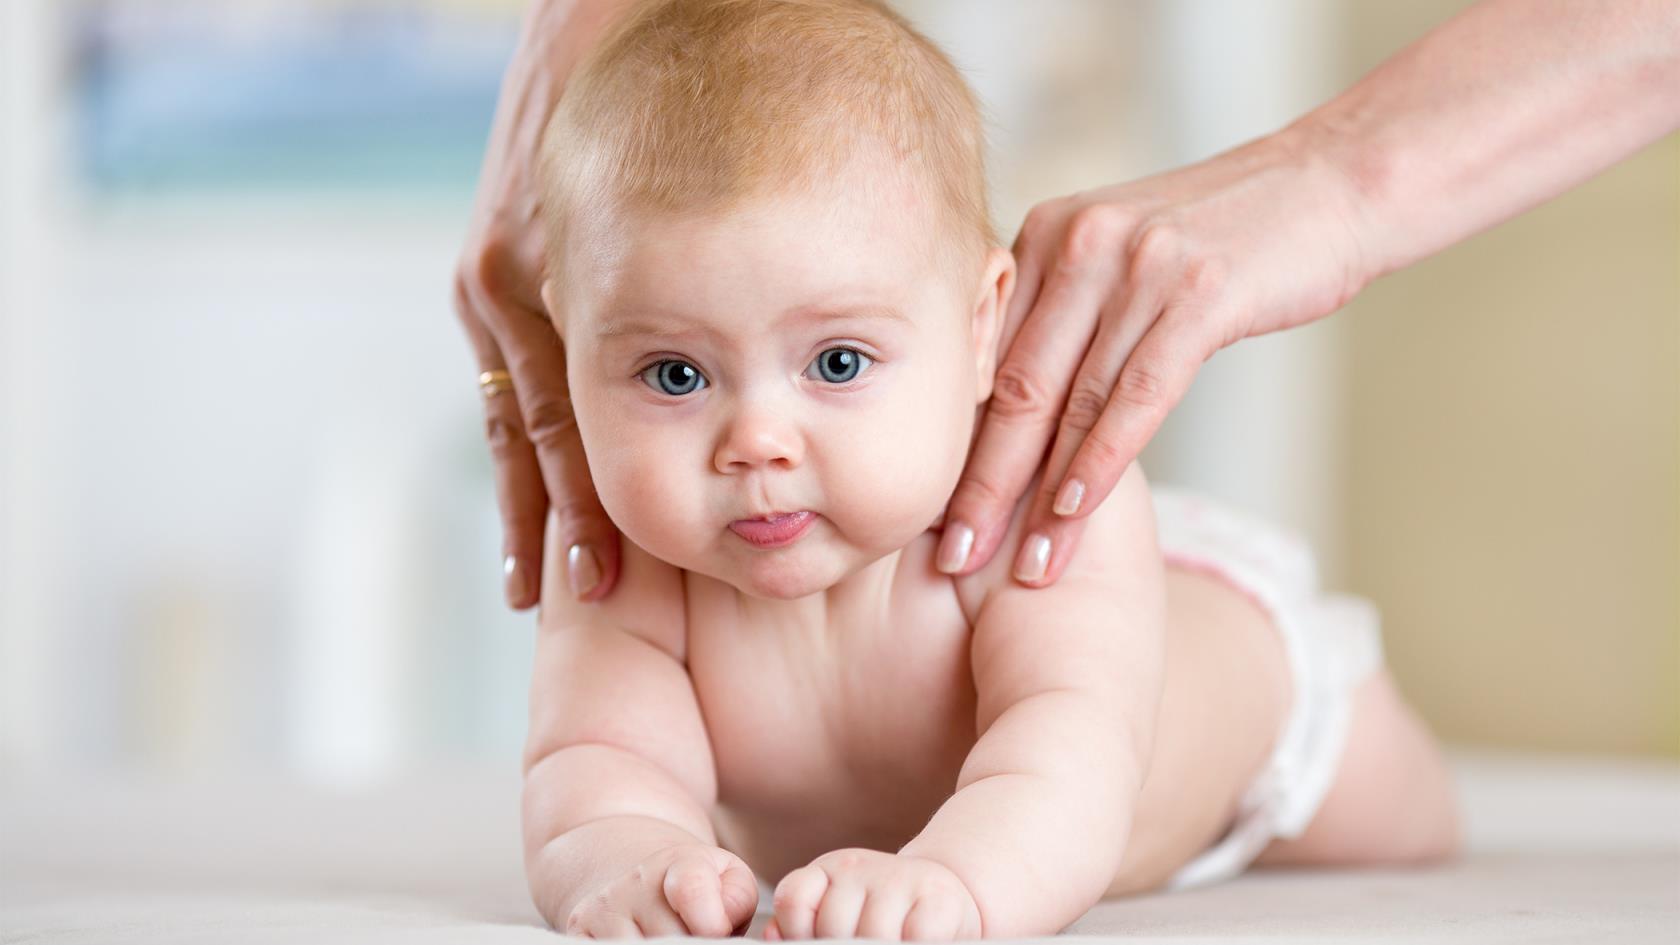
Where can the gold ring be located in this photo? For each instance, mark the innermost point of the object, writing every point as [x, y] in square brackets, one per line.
[491, 383]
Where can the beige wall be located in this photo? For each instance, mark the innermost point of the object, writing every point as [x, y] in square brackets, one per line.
[1514, 493]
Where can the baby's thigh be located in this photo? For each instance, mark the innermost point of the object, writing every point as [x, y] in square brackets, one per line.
[1392, 799]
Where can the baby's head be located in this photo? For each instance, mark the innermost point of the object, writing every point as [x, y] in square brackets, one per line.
[775, 278]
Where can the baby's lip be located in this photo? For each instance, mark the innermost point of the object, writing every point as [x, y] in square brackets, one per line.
[775, 529]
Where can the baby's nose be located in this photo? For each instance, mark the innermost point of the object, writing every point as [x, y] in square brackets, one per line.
[758, 439]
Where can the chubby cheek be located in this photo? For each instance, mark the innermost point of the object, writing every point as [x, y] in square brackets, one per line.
[887, 481]
[651, 490]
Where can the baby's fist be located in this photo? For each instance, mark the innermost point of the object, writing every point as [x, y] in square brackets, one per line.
[689, 889]
[869, 894]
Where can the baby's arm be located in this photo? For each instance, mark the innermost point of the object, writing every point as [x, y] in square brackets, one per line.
[618, 769]
[1068, 681]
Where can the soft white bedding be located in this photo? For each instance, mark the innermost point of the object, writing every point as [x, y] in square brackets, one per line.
[1561, 849]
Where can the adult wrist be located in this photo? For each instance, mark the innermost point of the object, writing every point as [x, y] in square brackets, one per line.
[1351, 180]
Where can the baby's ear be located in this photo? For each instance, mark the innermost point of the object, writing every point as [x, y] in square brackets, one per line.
[990, 305]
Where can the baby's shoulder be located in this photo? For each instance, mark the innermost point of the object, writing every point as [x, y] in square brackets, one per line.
[647, 602]
[1117, 537]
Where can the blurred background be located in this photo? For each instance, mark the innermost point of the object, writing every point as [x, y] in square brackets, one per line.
[246, 518]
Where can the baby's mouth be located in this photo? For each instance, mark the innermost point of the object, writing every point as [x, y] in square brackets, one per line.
[775, 530]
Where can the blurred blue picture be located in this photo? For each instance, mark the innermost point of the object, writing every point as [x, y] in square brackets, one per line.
[207, 96]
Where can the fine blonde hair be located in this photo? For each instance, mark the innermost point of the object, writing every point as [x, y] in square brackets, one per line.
[699, 104]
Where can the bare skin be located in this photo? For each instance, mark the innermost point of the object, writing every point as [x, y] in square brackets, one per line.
[857, 744]
[1125, 289]
[907, 753]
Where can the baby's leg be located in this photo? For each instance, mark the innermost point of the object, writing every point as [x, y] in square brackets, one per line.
[1392, 799]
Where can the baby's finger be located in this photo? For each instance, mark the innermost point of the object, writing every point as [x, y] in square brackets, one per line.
[694, 890]
[932, 919]
[797, 897]
[772, 932]
[837, 917]
[608, 924]
[740, 894]
[654, 916]
[884, 913]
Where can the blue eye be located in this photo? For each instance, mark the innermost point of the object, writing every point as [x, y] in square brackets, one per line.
[839, 365]
[673, 377]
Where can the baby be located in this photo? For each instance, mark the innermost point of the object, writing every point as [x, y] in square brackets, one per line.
[780, 298]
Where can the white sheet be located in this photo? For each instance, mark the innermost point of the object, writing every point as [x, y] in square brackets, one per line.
[1561, 849]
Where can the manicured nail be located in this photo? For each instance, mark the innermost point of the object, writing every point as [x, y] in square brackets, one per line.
[954, 548]
[513, 580]
[582, 569]
[1034, 560]
[1067, 500]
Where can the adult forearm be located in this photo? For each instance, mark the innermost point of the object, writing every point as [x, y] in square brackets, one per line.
[1497, 110]
[1037, 843]
[555, 37]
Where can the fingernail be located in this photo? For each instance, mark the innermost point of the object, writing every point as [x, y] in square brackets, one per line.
[513, 580]
[1034, 560]
[1067, 500]
[582, 569]
[954, 548]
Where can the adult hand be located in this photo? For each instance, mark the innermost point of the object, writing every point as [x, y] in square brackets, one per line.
[533, 436]
[1122, 293]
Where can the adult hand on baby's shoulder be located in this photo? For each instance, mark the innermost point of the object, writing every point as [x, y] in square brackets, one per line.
[858, 893]
[533, 436]
[688, 889]
[1122, 293]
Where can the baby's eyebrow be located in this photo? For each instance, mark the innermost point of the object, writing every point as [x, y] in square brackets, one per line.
[673, 324]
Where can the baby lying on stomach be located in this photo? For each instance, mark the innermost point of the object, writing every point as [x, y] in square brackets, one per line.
[780, 301]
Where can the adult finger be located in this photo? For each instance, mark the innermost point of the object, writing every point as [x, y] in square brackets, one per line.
[1027, 398]
[521, 496]
[1153, 381]
[1048, 536]
[1089, 397]
[1030, 252]
[1156, 377]
[538, 365]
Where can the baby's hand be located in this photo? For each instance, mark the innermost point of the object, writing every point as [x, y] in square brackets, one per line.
[689, 889]
[869, 894]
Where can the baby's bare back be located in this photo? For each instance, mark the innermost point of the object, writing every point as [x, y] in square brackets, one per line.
[855, 738]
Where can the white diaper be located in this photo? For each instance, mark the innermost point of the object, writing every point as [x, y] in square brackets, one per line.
[1332, 643]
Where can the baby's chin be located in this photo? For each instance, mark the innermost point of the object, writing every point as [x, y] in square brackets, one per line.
[810, 566]
[819, 560]
[784, 573]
